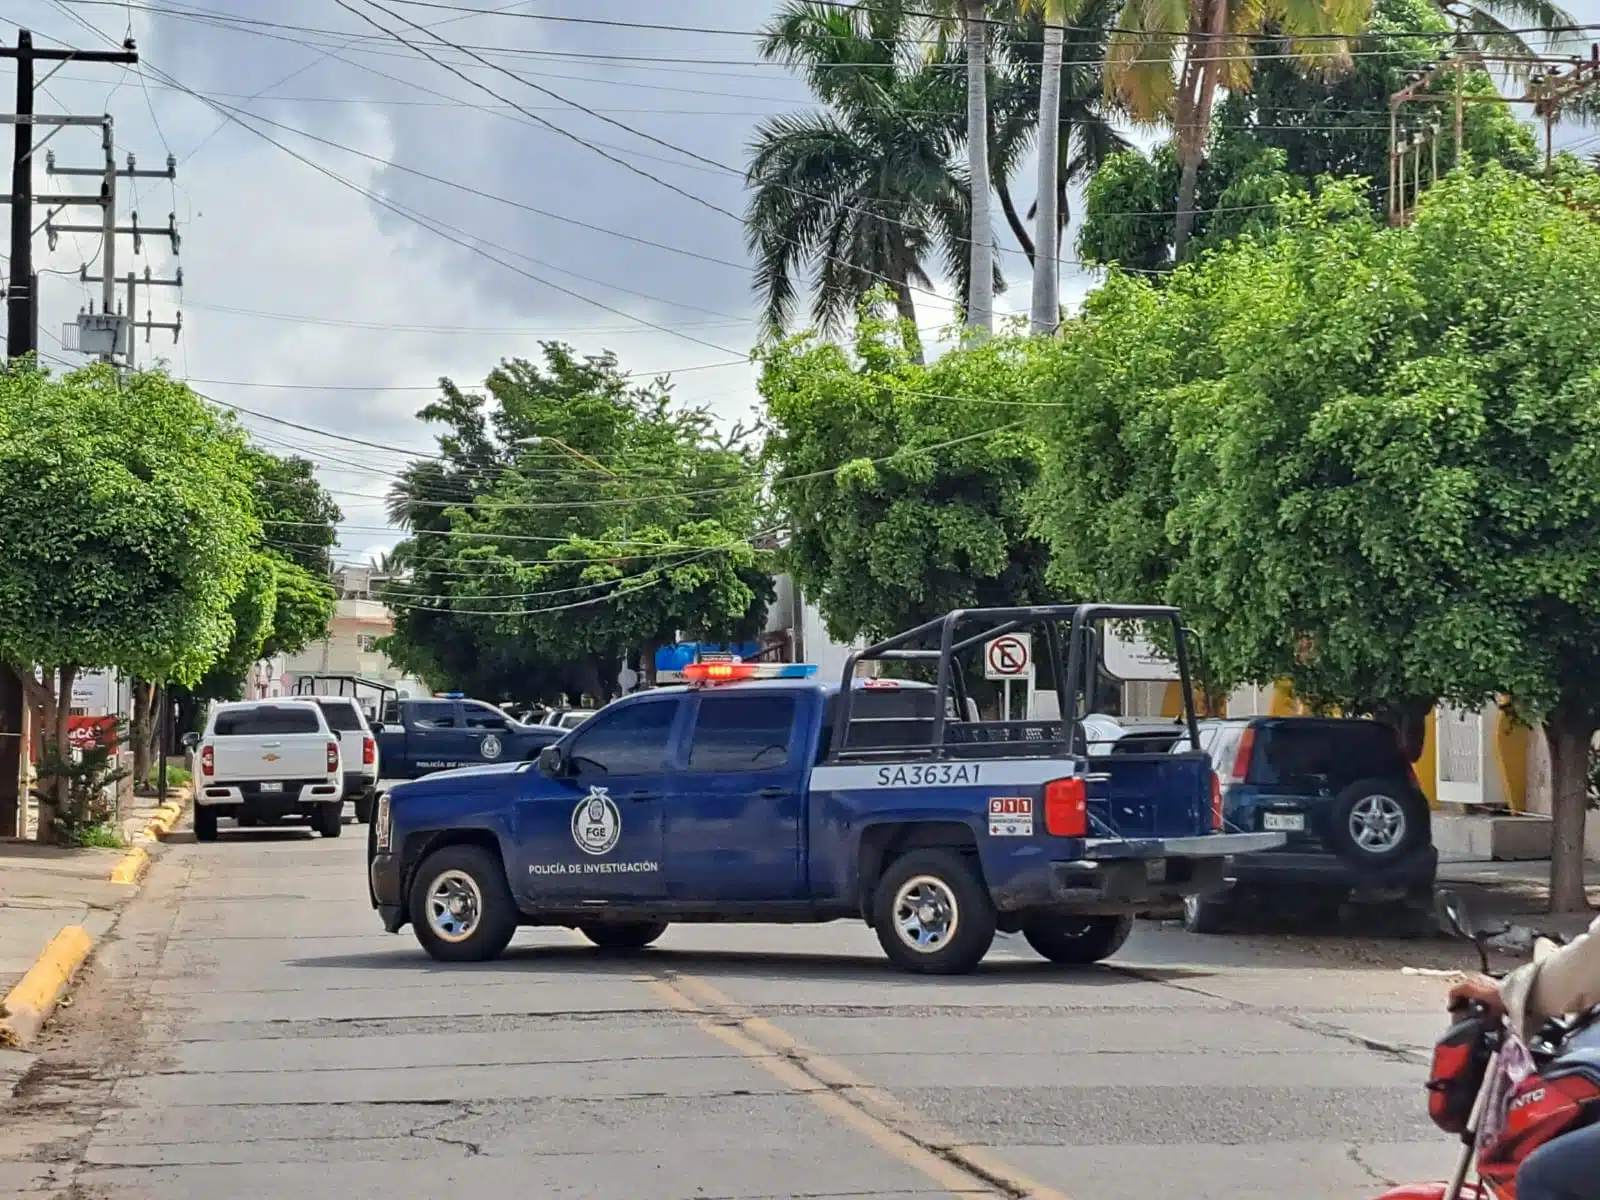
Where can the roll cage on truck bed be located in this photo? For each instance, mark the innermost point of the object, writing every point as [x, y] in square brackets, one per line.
[759, 794]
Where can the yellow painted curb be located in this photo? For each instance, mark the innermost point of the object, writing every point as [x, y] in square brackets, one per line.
[29, 1005]
[130, 866]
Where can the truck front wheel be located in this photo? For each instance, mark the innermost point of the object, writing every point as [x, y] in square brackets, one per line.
[932, 913]
[1078, 941]
[461, 905]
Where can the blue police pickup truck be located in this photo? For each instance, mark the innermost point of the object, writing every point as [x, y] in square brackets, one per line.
[446, 732]
[758, 793]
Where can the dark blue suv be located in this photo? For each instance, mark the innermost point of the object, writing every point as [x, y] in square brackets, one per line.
[1346, 798]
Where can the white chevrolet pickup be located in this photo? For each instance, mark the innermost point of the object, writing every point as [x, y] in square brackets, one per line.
[266, 760]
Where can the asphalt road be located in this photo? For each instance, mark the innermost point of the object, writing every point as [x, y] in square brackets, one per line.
[250, 1031]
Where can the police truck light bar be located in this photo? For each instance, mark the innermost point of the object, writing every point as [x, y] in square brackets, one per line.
[733, 672]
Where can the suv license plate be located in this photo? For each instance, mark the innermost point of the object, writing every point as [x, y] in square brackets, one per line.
[1284, 822]
[272, 787]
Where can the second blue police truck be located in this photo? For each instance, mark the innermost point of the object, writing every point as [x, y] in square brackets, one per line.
[760, 793]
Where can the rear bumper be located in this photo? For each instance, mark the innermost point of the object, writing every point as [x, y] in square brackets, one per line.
[356, 784]
[1291, 869]
[1144, 874]
[247, 797]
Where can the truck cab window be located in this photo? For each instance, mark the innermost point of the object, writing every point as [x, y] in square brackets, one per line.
[434, 716]
[742, 733]
[631, 740]
[481, 716]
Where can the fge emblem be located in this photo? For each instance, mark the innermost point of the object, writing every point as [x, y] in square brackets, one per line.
[596, 823]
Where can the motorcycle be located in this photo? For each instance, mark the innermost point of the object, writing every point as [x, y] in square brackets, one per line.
[1469, 1081]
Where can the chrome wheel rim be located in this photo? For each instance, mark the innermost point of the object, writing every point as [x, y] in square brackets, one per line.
[455, 906]
[1377, 824]
[926, 915]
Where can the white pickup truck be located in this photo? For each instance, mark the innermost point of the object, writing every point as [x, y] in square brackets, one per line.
[267, 760]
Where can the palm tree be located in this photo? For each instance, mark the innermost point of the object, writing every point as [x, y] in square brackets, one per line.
[974, 19]
[866, 190]
[1168, 58]
[1486, 25]
[1071, 147]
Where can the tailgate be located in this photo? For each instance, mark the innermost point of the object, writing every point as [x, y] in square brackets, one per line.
[1150, 795]
[288, 756]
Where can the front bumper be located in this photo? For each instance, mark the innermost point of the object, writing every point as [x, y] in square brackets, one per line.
[1117, 875]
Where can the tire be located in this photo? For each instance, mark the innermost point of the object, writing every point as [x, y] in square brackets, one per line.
[950, 882]
[476, 877]
[205, 824]
[1206, 914]
[1078, 941]
[329, 819]
[630, 935]
[365, 803]
[1377, 821]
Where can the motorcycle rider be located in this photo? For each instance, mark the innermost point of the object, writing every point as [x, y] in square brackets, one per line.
[1567, 981]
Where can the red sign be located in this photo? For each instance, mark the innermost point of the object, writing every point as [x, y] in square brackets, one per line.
[85, 733]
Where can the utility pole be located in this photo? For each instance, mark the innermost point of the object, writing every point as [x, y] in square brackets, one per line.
[21, 318]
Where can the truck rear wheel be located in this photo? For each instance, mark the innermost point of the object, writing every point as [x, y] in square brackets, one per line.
[328, 820]
[623, 935]
[364, 803]
[205, 823]
[1078, 941]
[932, 913]
[461, 905]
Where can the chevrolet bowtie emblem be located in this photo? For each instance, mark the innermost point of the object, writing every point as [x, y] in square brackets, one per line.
[269, 758]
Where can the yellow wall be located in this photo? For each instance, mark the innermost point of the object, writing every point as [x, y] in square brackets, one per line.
[1428, 764]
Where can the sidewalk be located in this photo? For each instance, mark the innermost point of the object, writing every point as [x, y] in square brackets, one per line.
[46, 890]
[1516, 893]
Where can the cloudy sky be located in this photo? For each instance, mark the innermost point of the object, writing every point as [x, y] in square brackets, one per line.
[329, 282]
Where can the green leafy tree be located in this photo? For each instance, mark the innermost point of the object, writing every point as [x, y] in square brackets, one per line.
[126, 531]
[903, 483]
[300, 521]
[1363, 459]
[1169, 58]
[866, 191]
[1289, 129]
[573, 520]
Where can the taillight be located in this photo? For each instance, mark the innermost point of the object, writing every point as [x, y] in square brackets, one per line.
[1216, 802]
[369, 752]
[333, 757]
[208, 760]
[1241, 760]
[1066, 808]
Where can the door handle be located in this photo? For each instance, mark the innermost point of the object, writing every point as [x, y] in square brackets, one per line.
[643, 795]
[270, 745]
[775, 793]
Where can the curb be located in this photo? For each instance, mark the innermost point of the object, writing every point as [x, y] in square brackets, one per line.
[28, 1005]
[130, 868]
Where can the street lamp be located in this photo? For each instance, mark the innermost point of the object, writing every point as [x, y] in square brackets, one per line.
[540, 440]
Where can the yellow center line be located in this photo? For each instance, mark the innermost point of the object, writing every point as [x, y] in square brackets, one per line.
[885, 1110]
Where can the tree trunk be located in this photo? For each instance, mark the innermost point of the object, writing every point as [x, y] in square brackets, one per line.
[1195, 96]
[1187, 183]
[1568, 732]
[58, 799]
[1009, 207]
[980, 303]
[143, 705]
[906, 306]
[1409, 720]
[1046, 312]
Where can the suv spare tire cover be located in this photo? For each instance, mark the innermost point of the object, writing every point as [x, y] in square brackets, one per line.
[1384, 797]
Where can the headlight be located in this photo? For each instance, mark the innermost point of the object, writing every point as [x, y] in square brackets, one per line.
[385, 830]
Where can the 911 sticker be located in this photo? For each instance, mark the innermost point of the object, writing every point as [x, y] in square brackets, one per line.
[1010, 816]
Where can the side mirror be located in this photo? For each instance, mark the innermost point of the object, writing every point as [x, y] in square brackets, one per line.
[376, 727]
[190, 740]
[552, 762]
